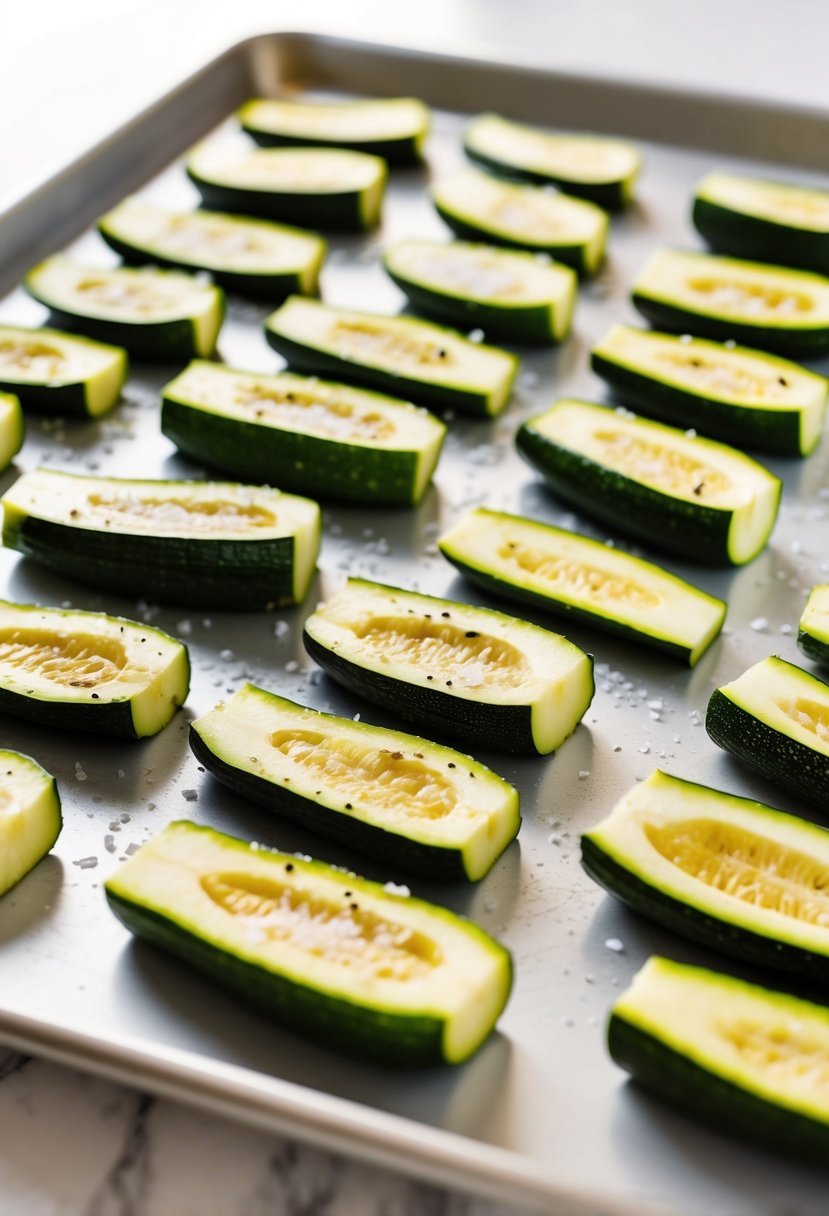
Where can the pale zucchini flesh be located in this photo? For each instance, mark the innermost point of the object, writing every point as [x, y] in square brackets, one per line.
[30, 816]
[329, 954]
[475, 674]
[11, 428]
[569, 574]
[768, 220]
[403, 799]
[61, 373]
[392, 127]
[813, 632]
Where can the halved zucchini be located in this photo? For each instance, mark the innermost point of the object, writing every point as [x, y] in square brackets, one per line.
[769, 221]
[590, 166]
[11, 428]
[392, 127]
[209, 544]
[331, 955]
[735, 394]
[813, 634]
[304, 434]
[478, 675]
[402, 799]
[155, 314]
[537, 564]
[30, 816]
[482, 207]
[399, 355]
[775, 718]
[738, 1057]
[688, 495]
[734, 874]
[253, 257]
[312, 187]
[61, 373]
[509, 294]
[771, 307]
[72, 670]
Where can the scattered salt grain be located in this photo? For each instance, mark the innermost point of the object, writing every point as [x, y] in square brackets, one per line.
[86, 863]
[759, 624]
[190, 795]
[615, 944]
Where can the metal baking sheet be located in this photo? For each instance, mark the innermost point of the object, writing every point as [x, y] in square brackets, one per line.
[541, 1116]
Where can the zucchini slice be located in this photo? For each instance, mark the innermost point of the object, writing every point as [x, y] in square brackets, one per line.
[735, 1056]
[687, 495]
[509, 294]
[252, 257]
[482, 207]
[61, 373]
[30, 816]
[155, 314]
[478, 675]
[734, 394]
[400, 355]
[771, 307]
[394, 796]
[768, 221]
[775, 718]
[590, 166]
[11, 428]
[813, 634]
[303, 434]
[72, 670]
[331, 955]
[208, 544]
[312, 187]
[738, 876]
[392, 127]
[537, 564]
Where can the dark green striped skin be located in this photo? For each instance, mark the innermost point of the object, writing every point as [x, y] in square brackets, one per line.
[340, 212]
[570, 255]
[306, 464]
[697, 924]
[529, 325]
[802, 342]
[504, 728]
[784, 760]
[434, 862]
[402, 151]
[315, 361]
[711, 1098]
[65, 399]
[379, 1034]
[691, 530]
[613, 196]
[234, 574]
[774, 431]
[92, 717]
[762, 240]
[815, 648]
[153, 341]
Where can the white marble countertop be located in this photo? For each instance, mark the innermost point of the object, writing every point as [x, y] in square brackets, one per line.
[73, 1145]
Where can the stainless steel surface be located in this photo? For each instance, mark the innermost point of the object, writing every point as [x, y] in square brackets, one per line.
[540, 1115]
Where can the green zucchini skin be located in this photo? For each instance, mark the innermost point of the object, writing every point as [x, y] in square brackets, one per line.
[526, 326]
[570, 255]
[405, 150]
[783, 760]
[612, 196]
[813, 629]
[814, 648]
[742, 235]
[65, 399]
[333, 212]
[796, 343]
[160, 341]
[110, 718]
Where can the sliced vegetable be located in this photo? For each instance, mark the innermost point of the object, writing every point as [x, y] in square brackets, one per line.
[509, 294]
[731, 393]
[590, 166]
[30, 816]
[769, 221]
[303, 434]
[685, 494]
[59, 372]
[733, 874]
[399, 355]
[333, 956]
[537, 564]
[775, 718]
[403, 799]
[392, 127]
[11, 428]
[155, 314]
[813, 635]
[478, 675]
[210, 544]
[253, 257]
[312, 187]
[767, 306]
[481, 207]
[72, 670]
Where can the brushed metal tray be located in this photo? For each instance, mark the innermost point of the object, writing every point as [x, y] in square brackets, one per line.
[540, 1117]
